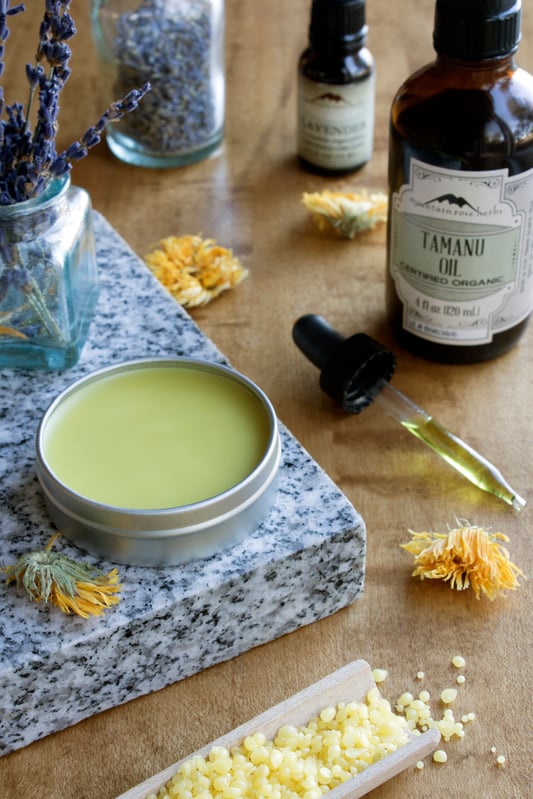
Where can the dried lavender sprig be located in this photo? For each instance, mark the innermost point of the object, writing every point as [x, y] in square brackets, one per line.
[79, 149]
[28, 160]
[57, 27]
[16, 140]
[5, 12]
[18, 180]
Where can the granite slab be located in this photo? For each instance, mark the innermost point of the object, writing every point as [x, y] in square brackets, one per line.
[305, 562]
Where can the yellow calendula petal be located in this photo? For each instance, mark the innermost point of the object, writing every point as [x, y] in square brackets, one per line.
[349, 213]
[90, 599]
[466, 557]
[195, 270]
[5, 330]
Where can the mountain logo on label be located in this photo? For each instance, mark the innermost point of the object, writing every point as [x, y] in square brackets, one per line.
[451, 199]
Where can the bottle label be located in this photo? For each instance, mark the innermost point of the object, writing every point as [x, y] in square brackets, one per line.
[336, 123]
[461, 252]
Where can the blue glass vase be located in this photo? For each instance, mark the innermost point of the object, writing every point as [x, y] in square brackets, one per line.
[48, 278]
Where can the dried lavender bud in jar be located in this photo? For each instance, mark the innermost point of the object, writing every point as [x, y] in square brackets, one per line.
[178, 47]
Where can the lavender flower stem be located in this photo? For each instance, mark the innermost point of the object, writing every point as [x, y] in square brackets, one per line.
[37, 303]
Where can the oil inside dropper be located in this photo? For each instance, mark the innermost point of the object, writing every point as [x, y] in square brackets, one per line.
[452, 449]
[472, 465]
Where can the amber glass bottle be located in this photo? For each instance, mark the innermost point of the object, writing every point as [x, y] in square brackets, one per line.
[460, 239]
[336, 90]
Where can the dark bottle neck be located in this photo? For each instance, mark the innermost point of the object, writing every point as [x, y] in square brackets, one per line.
[349, 44]
[502, 65]
[337, 25]
[335, 52]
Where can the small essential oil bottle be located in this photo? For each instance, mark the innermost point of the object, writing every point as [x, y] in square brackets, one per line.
[460, 238]
[336, 90]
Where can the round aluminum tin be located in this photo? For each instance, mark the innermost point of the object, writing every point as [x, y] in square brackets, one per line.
[166, 536]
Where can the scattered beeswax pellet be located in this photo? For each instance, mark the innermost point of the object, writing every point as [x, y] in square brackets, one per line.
[420, 764]
[420, 675]
[417, 713]
[500, 760]
[493, 750]
[448, 727]
[405, 698]
[448, 696]
[440, 756]
[460, 679]
[458, 661]
[379, 675]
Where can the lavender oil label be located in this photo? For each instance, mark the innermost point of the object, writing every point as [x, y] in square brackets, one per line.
[461, 254]
[336, 123]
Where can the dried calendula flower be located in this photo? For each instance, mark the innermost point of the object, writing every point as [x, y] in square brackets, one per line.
[348, 212]
[466, 557]
[195, 270]
[73, 587]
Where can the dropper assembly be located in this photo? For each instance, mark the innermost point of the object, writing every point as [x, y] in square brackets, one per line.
[356, 372]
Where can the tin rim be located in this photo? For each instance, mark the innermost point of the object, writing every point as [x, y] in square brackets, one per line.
[171, 521]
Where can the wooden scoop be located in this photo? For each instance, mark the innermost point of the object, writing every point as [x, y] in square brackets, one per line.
[348, 684]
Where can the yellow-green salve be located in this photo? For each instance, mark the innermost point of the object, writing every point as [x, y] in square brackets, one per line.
[156, 437]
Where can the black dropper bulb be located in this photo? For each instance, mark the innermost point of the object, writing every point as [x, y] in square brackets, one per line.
[353, 369]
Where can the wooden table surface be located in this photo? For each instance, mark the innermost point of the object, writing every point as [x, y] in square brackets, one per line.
[248, 198]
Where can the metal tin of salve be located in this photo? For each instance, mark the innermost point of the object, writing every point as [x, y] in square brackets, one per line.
[159, 461]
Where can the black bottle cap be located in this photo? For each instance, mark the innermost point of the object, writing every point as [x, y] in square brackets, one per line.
[338, 22]
[474, 30]
[353, 369]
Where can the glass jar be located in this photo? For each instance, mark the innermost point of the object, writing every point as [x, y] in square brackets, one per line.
[178, 47]
[48, 278]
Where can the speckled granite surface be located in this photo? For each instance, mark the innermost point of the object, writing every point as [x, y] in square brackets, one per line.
[305, 562]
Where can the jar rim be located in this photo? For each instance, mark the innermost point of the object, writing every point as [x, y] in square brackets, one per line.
[54, 189]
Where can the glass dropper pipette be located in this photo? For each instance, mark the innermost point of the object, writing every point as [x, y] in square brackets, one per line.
[356, 372]
[456, 452]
